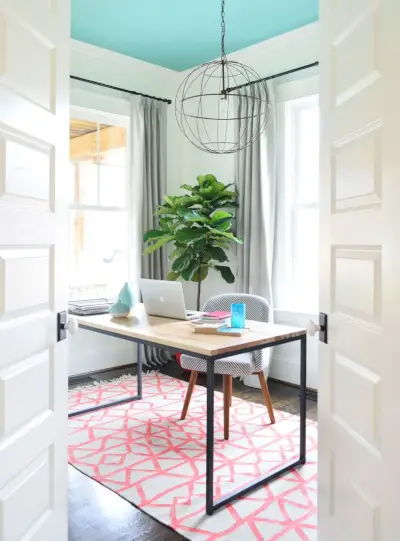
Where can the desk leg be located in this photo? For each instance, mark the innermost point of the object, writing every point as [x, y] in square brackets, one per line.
[211, 506]
[139, 371]
[210, 439]
[303, 400]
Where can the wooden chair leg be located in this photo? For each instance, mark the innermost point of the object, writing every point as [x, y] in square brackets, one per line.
[227, 403]
[230, 389]
[267, 398]
[189, 392]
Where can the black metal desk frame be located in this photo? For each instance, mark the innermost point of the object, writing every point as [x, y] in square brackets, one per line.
[211, 505]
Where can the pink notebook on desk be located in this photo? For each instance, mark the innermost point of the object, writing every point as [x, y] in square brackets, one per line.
[218, 314]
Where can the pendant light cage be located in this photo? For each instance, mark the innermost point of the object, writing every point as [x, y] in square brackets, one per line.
[222, 106]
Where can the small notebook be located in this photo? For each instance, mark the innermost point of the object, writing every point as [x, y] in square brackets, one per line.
[218, 314]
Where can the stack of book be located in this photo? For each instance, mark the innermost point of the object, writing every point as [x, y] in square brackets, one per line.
[213, 323]
[89, 307]
[215, 317]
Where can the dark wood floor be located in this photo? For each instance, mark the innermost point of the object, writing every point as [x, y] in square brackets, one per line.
[98, 514]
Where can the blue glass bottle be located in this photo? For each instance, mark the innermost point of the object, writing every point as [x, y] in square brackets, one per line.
[238, 315]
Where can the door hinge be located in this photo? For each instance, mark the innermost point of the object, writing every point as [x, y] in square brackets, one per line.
[62, 325]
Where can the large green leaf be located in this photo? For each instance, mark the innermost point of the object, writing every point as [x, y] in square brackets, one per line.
[208, 192]
[217, 253]
[220, 215]
[222, 243]
[173, 276]
[190, 234]
[169, 201]
[167, 224]
[200, 273]
[175, 253]
[226, 273]
[195, 216]
[222, 220]
[188, 272]
[165, 211]
[188, 202]
[154, 234]
[181, 263]
[225, 234]
[210, 178]
[187, 187]
[223, 225]
[153, 247]
[181, 211]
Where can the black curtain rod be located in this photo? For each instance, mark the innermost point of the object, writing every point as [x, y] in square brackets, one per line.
[134, 93]
[119, 89]
[294, 70]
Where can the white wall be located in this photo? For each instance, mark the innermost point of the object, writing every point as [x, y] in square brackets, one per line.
[276, 55]
[89, 351]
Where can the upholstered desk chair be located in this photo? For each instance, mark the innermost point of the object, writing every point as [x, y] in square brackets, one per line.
[244, 364]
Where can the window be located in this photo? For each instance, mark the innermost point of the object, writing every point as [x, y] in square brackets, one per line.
[298, 220]
[98, 210]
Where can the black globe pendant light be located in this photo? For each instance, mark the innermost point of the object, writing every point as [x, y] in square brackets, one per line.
[206, 108]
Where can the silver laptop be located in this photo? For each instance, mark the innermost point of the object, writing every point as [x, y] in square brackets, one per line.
[165, 299]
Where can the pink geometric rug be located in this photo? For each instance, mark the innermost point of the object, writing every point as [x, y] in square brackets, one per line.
[142, 451]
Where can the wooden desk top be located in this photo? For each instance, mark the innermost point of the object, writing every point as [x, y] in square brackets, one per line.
[179, 334]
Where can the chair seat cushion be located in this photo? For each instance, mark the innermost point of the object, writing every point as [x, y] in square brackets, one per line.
[238, 365]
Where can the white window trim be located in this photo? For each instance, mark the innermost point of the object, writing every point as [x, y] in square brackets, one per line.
[102, 117]
[291, 187]
[93, 115]
[284, 93]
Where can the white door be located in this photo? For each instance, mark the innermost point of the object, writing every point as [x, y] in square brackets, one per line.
[34, 110]
[359, 468]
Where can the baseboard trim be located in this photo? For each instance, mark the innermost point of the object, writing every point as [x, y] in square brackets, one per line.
[312, 394]
[86, 375]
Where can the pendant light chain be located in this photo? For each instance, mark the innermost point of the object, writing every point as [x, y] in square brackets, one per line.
[223, 55]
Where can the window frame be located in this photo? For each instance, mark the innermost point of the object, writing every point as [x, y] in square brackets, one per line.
[294, 206]
[288, 95]
[119, 120]
[101, 117]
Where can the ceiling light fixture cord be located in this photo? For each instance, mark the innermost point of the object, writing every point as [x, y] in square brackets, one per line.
[223, 55]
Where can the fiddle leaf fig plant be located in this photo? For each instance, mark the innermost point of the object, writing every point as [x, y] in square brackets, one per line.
[198, 225]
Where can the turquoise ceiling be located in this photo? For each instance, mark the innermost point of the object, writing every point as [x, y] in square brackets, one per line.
[180, 34]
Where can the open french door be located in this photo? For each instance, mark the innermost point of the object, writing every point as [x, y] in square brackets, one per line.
[359, 418]
[34, 111]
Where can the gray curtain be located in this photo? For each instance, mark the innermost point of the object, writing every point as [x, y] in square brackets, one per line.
[255, 178]
[154, 187]
[154, 179]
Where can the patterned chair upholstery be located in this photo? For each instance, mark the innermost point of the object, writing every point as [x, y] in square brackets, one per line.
[257, 309]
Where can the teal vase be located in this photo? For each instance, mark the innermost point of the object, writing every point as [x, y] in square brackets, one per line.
[124, 304]
[126, 295]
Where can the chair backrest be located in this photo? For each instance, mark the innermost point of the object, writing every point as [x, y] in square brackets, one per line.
[257, 309]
